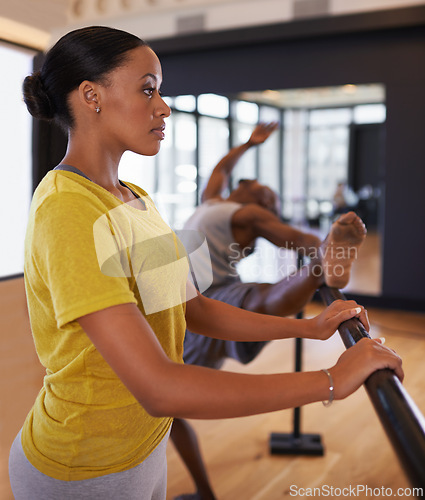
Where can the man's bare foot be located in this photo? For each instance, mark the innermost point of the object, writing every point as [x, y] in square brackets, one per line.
[339, 250]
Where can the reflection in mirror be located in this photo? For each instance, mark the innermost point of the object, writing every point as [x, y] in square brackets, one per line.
[332, 141]
[325, 159]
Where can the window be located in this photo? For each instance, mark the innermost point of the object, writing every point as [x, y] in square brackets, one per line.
[245, 117]
[269, 162]
[294, 164]
[303, 161]
[140, 170]
[327, 161]
[246, 112]
[213, 105]
[176, 188]
[185, 103]
[370, 113]
[213, 145]
[15, 157]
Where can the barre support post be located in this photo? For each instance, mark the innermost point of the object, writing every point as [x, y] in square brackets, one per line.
[296, 443]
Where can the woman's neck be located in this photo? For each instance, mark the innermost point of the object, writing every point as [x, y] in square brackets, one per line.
[98, 163]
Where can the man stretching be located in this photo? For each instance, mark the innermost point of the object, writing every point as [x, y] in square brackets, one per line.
[231, 226]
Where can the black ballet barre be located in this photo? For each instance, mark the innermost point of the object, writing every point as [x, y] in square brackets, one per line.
[399, 415]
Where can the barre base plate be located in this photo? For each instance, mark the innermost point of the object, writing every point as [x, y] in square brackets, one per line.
[289, 444]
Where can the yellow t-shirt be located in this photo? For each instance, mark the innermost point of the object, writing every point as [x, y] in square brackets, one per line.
[86, 250]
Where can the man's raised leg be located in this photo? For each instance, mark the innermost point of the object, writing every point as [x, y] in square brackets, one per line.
[331, 265]
[340, 249]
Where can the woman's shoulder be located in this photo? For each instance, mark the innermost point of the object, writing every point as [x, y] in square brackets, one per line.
[65, 189]
[55, 183]
[137, 189]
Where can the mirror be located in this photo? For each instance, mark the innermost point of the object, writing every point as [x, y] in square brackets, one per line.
[332, 161]
[326, 158]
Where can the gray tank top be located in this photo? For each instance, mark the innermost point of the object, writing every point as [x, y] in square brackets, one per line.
[213, 219]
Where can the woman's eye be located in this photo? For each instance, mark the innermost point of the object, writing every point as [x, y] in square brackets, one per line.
[151, 91]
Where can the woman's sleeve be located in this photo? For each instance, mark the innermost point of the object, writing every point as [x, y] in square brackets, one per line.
[65, 254]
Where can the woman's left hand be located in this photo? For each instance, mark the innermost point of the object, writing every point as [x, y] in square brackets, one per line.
[324, 325]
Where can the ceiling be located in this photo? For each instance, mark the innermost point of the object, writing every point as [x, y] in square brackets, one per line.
[41, 14]
[343, 95]
[32, 19]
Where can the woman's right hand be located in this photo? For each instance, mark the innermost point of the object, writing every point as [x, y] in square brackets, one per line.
[361, 360]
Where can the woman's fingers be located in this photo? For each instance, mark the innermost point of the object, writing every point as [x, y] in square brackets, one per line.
[363, 317]
[350, 309]
[357, 363]
[393, 359]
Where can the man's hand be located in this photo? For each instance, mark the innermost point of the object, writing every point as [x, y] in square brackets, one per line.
[219, 179]
[262, 132]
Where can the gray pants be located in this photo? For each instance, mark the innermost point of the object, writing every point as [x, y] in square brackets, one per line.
[147, 481]
[206, 351]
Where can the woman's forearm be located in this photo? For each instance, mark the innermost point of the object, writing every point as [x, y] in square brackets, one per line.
[188, 391]
[163, 387]
[195, 392]
[126, 341]
[232, 323]
[220, 320]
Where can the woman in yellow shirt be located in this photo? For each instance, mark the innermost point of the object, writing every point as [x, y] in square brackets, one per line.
[109, 296]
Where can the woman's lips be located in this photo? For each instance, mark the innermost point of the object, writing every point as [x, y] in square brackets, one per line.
[159, 131]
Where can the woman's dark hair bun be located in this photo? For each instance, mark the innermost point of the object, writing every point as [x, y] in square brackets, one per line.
[36, 98]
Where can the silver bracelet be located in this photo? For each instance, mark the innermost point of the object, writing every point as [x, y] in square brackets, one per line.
[331, 388]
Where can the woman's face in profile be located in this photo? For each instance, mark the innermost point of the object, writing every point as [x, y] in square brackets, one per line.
[132, 109]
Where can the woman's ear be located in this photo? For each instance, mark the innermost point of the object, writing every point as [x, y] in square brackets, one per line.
[88, 94]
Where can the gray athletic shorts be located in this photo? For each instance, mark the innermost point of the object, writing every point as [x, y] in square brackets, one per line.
[205, 351]
[147, 481]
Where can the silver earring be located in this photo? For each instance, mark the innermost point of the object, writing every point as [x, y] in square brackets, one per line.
[97, 109]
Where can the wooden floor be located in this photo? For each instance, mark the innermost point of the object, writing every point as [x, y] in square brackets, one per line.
[357, 452]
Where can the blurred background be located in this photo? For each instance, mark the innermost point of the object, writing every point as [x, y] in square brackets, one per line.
[324, 69]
